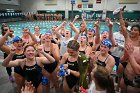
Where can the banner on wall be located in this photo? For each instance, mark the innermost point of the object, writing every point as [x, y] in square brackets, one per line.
[50, 2]
[128, 1]
[10, 2]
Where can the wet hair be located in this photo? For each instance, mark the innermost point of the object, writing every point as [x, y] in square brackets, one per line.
[103, 79]
[138, 26]
[73, 44]
[26, 46]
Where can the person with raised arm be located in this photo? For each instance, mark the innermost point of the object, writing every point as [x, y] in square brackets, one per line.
[31, 65]
[51, 69]
[130, 81]
[104, 35]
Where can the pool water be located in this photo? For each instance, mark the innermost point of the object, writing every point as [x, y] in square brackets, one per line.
[47, 25]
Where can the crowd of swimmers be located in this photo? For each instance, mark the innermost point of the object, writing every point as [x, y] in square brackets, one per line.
[45, 61]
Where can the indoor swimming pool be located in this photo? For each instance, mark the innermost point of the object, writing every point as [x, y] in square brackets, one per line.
[47, 25]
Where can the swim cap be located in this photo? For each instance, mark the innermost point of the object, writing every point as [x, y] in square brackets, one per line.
[107, 43]
[17, 38]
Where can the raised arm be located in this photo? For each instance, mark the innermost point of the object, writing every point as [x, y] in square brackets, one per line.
[58, 28]
[34, 41]
[3, 47]
[110, 26]
[47, 57]
[97, 35]
[83, 20]
[123, 28]
[75, 18]
[72, 25]
[7, 61]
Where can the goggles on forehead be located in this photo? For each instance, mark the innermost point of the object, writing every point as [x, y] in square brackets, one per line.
[107, 43]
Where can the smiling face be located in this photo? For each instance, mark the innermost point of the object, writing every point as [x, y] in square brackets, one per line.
[53, 28]
[37, 29]
[24, 31]
[48, 37]
[29, 52]
[135, 32]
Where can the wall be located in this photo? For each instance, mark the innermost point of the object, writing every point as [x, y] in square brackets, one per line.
[5, 6]
[12, 4]
[33, 5]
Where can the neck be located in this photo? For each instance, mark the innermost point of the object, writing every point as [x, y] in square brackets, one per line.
[30, 59]
[67, 37]
[19, 51]
[83, 45]
[135, 38]
[90, 38]
[26, 36]
[37, 33]
[47, 44]
[104, 54]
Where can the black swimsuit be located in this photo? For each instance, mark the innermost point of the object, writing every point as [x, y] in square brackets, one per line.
[83, 51]
[71, 79]
[91, 44]
[18, 69]
[101, 63]
[33, 74]
[50, 67]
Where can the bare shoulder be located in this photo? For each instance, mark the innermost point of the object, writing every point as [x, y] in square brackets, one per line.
[111, 58]
[21, 62]
[65, 56]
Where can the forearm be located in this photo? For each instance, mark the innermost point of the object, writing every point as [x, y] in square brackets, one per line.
[74, 28]
[97, 35]
[49, 57]
[7, 60]
[58, 35]
[74, 20]
[58, 28]
[56, 57]
[122, 24]
[75, 73]
[76, 36]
